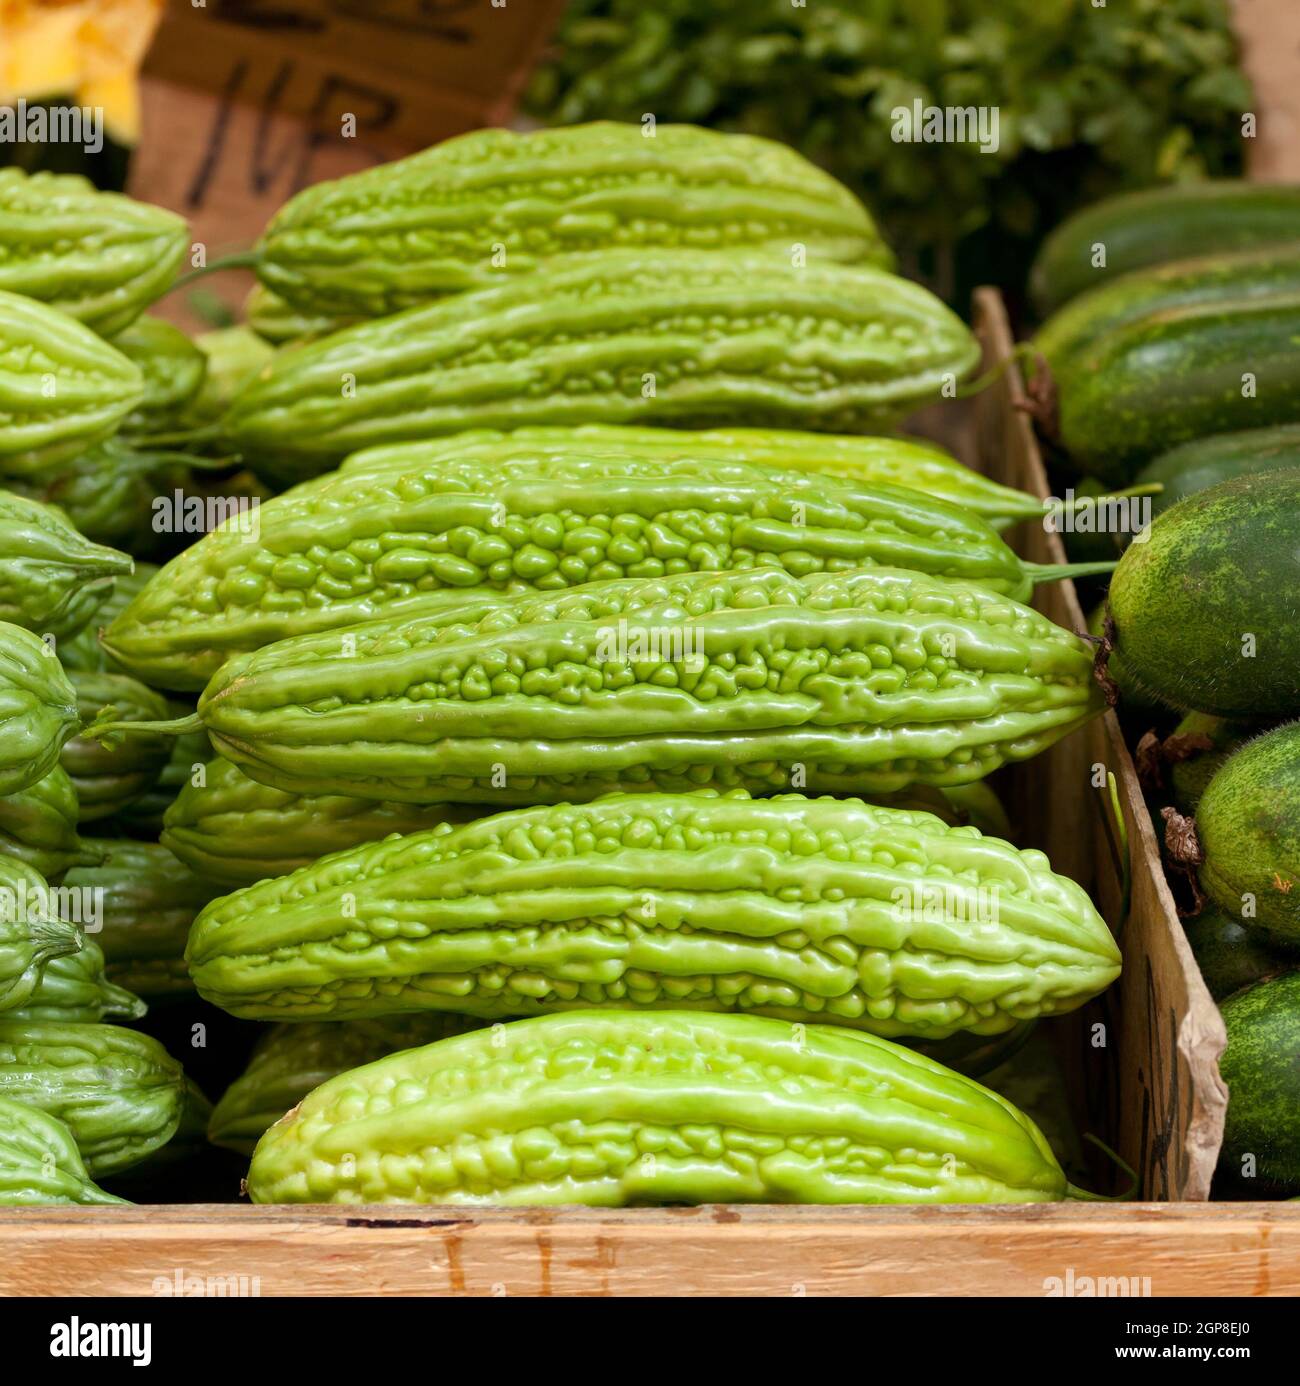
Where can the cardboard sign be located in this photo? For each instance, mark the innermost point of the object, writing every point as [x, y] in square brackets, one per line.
[248, 101]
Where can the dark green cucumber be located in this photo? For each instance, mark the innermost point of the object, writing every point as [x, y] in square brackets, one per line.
[1232, 956]
[1133, 697]
[1204, 462]
[1248, 822]
[1157, 225]
[1260, 1156]
[1205, 609]
[1263, 273]
[1177, 375]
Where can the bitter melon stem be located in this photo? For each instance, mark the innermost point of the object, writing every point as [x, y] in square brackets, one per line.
[1055, 572]
[104, 725]
[1073, 1191]
[243, 259]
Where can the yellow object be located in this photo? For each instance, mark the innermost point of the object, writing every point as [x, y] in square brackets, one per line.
[86, 51]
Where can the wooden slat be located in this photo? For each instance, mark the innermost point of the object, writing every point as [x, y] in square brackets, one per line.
[1182, 1250]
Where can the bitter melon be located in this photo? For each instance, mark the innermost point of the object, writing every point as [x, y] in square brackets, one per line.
[38, 709]
[862, 682]
[171, 370]
[276, 323]
[144, 816]
[608, 1108]
[625, 337]
[291, 1060]
[38, 826]
[52, 578]
[75, 988]
[147, 902]
[232, 831]
[108, 777]
[98, 256]
[497, 203]
[358, 546]
[31, 933]
[84, 652]
[119, 1092]
[40, 1162]
[62, 388]
[809, 909]
[908, 462]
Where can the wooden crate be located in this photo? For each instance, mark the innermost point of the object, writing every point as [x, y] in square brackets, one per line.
[1153, 1087]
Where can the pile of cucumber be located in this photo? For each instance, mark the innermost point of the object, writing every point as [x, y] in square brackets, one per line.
[1185, 373]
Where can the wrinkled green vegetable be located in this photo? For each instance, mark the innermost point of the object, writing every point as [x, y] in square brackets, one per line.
[608, 1108]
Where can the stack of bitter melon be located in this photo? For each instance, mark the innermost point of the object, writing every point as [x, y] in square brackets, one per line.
[583, 552]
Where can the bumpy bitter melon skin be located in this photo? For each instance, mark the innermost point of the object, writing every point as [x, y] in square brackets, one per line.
[232, 831]
[276, 322]
[62, 388]
[109, 777]
[119, 1092]
[607, 1108]
[74, 988]
[491, 203]
[291, 1060]
[149, 901]
[52, 578]
[38, 709]
[31, 933]
[863, 682]
[912, 463]
[809, 909]
[98, 256]
[687, 339]
[39, 1161]
[359, 546]
[38, 826]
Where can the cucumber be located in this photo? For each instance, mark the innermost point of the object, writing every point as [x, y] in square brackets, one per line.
[1205, 610]
[1205, 462]
[1248, 822]
[1261, 273]
[1232, 956]
[1156, 226]
[1260, 1156]
[1180, 374]
[1133, 697]
[1189, 777]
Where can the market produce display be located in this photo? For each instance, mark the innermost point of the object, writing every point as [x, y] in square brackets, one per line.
[730, 1108]
[870, 680]
[413, 230]
[426, 528]
[1179, 374]
[792, 906]
[568, 768]
[739, 338]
